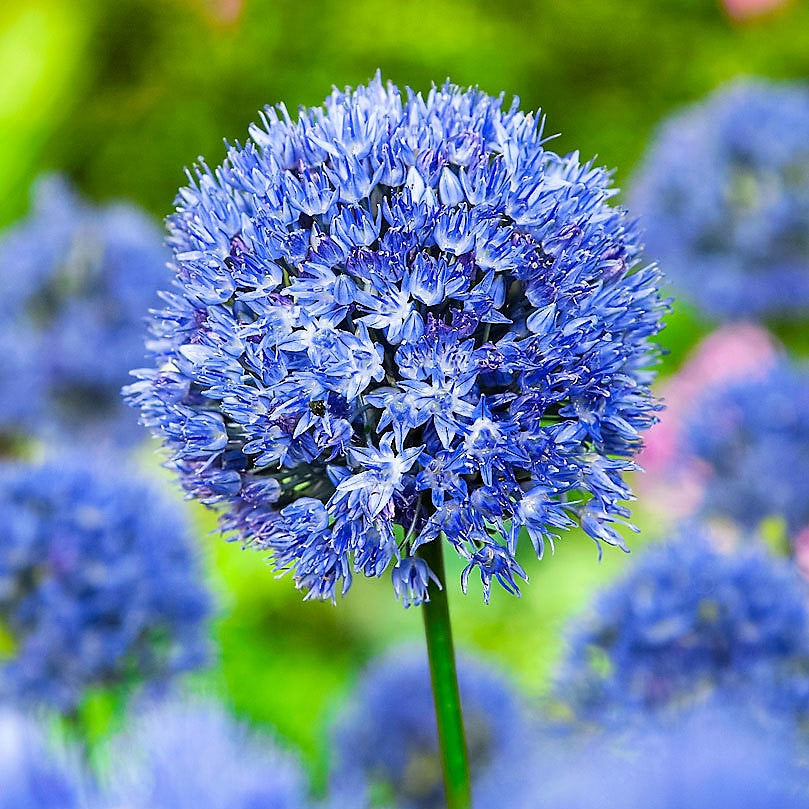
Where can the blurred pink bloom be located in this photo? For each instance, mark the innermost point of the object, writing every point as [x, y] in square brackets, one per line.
[744, 9]
[730, 353]
[801, 551]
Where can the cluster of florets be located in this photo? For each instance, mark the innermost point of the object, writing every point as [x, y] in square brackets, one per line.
[34, 774]
[686, 621]
[186, 754]
[747, 443]
[724, 200]
[98, 582]
[385, 742]
[77, 281]
[398, 319]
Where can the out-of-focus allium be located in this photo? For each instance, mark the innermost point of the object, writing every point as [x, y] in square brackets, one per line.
[76, 283]
[33, 775]
[187, 754]
[748, 443]
[403, 312]
[686, 621]
[98, 582]
[385, 742]
[735, 352]
[724, 199]
[708, 757]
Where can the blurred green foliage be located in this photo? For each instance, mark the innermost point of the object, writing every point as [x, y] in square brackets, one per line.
[122, 94]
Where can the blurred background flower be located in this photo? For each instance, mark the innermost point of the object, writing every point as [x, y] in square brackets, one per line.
[685, 622]
[723, 194]
[99, 583]
[708, 756]
[385, 742]
[37, 773]
[77, 281]
[186, 753]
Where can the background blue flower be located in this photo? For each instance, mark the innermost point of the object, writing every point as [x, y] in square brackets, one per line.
[748, 442]
[723, 195]
[77, 282]
[397, 319]
[34, 774]
[687, 620]
[99, 585]
[385, 742]
[191, 754]
[707, 757]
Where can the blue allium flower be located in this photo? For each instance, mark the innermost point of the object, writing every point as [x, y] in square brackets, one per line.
[708, 757]
[400, 319]
[385, 742]
[748, 444]
[724, 199]
[98, 582]
[76, 283]
[192, 755]
[32, 774]
[686, 621]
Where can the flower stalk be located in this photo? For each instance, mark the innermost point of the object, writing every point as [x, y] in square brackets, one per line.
[438, 632]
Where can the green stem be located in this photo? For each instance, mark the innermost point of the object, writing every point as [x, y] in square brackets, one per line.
[438, 631]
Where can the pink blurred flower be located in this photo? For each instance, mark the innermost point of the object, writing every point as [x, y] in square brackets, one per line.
[744, 9]
[801, 551]
[730, 353]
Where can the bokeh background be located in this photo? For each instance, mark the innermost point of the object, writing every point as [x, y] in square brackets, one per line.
[121, 95]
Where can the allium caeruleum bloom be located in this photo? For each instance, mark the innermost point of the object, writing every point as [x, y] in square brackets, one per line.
[33, 776]
[748, 444]
[686, 621]
[76, 282]
[385, 742]
[403, 312]
[724, 200]
[708, 757]
[193, 755]
[98, 582]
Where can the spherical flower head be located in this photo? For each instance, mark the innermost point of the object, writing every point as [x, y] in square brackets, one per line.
[77, 281]
[397, 320]
[385, 741]
[748, 444]
[709, 756]
[723, 195]
[34, 774]
[687, 621]
[190, 754]
[98, 582]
